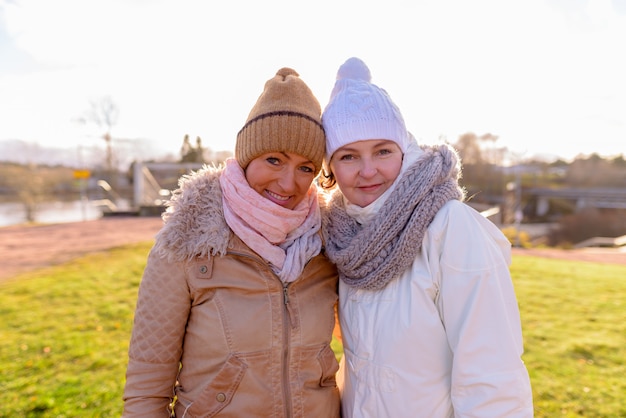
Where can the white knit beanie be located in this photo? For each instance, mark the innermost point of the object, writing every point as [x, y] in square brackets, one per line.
[359, 110]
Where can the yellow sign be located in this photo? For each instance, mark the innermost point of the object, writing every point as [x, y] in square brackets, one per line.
[82, 174]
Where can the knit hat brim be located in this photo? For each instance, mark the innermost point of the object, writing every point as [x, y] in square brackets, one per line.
[289, 132]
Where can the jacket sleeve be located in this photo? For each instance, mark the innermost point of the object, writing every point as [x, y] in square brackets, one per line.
[481, 317]
[155, 350]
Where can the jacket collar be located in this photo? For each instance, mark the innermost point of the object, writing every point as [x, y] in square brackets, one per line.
[194, 222]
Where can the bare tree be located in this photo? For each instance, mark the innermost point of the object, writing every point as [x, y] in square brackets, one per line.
[490, 153]
[469, 149]
[104, 113]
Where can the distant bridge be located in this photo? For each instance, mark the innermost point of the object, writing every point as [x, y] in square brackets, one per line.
[603, 197]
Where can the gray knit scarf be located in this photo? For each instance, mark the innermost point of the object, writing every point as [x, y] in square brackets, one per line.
[370, 256]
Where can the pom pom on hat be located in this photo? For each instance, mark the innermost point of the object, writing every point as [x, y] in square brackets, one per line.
[286, 117]
[354, 69]
[359, 110]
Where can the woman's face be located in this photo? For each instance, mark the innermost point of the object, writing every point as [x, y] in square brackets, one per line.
[364, 170]
[282, 177]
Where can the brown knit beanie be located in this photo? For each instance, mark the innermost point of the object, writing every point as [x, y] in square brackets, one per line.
[286, 117]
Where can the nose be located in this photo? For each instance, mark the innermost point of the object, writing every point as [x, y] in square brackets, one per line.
[368, 168]
[287, 181]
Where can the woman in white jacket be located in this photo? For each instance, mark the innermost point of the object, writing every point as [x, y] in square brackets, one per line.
[428, 312]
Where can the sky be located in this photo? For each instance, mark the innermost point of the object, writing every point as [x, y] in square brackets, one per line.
[547, 77]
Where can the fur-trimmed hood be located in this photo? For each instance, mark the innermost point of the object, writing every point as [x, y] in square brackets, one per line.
[194, 219]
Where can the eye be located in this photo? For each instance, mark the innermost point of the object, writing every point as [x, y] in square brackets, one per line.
[346, 157]
[307, 169]
[273, 160]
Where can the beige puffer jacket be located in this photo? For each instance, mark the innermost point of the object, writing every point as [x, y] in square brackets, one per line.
[245, 344]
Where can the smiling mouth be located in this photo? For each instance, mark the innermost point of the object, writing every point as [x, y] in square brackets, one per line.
[278, 197]
[369, 187]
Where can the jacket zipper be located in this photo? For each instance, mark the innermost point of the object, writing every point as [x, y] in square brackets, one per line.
[287, 323]
[286, 350]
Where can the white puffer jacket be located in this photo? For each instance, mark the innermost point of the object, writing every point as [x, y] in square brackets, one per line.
[444, 339]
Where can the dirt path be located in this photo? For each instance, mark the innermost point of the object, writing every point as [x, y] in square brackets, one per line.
[596, 255]
[24, 248]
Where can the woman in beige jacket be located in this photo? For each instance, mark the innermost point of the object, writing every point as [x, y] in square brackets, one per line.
[235, 312]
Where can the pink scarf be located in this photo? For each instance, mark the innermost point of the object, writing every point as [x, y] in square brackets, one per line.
[286, 238]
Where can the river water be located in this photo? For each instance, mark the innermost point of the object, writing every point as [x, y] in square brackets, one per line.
[13, 213]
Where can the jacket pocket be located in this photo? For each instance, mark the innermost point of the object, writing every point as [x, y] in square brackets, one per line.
[329, 365]
[220, 391]
[368, 374]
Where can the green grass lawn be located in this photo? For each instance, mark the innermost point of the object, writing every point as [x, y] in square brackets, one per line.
[65, 333]
[574, 322]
